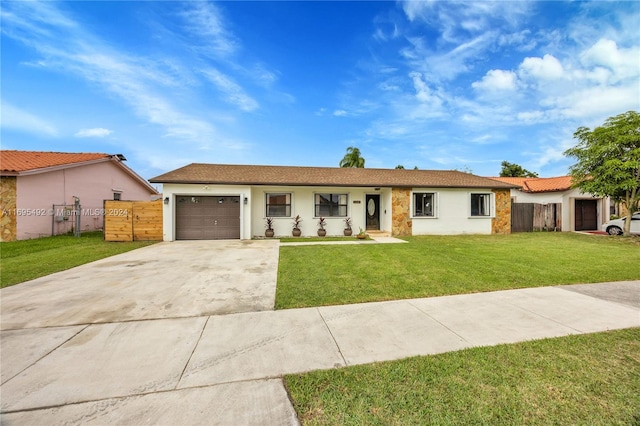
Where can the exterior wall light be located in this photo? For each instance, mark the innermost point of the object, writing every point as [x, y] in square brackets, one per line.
[166, 200]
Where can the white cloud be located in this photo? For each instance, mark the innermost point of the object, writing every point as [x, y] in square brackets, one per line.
[97, 132]
[234, 93]
[623, 63]
[546, 68]
[531, 117]
[205, 21]
[15, 118]
[499, 80]
[423, 93]
[340, 113]
[446, 64]
[455, 20]
[69, 48]
[590, 102]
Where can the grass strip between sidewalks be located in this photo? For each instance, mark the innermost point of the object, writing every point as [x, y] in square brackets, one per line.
[28, 259]
[444, 265]
[583, 379]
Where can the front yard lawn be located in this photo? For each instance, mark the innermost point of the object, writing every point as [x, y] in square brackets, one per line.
[585, 379]
[29, 259]
[442, 265]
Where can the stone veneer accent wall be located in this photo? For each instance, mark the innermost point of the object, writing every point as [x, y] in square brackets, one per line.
[8, 225]
[401, 211]
[501, 223]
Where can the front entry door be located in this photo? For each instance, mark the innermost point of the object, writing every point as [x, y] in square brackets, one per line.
[373, 212]
[586, 215]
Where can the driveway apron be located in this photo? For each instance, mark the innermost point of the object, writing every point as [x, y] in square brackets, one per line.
[165, 280]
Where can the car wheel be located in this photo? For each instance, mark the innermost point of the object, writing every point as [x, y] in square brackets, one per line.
[614, 230]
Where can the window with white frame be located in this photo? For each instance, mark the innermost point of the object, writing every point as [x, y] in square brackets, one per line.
[480, 204]
[424, 204]
[327, 205]
[278, 205]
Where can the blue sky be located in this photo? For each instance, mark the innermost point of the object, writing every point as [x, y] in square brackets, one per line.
[432, 84]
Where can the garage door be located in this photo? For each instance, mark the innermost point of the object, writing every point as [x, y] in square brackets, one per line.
[207, 218]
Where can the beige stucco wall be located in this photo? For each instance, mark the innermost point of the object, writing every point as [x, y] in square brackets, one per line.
[8, 228]
[453, 210]
[302, 203]
[452, 213]
[253, 215]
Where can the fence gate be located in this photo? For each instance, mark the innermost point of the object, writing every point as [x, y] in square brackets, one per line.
[529, 217]
[133, 220]
[547, 217]
[521, 217]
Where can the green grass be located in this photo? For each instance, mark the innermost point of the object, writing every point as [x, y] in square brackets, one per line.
[576, 380]
[441, 265]
[28, 259]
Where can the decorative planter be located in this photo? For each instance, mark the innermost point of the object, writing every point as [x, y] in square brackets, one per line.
[348, 232]
[361, 236]
[322, 232]
[296, 232]
[269, 233]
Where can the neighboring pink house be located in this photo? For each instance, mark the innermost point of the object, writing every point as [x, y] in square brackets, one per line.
[39, 190]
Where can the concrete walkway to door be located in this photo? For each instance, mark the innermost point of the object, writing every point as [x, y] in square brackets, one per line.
[196, 368]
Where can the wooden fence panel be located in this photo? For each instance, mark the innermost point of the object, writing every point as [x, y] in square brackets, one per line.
[133, 220]
[147, 220]
[521, 217]
[118, 223]
[529, 217]
[547, 217]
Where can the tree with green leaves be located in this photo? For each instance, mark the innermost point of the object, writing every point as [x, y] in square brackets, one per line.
[353, 158]
[399, 167]
[608, 161]
[515, 170]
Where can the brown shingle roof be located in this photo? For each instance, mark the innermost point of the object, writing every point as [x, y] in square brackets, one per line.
[22, 161]
[226, 174]
[553, 184]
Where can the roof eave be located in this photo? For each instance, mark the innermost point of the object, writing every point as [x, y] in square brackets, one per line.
[145, 183]
[330, 184]
[58, 167]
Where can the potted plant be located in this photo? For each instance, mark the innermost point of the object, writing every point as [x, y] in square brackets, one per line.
[321, 224]
[269, 224]
[296, 226]
[361, 235]
[347, 227]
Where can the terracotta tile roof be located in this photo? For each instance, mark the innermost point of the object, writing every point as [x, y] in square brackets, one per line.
[553, 184]
[22, 161]
[226, 174]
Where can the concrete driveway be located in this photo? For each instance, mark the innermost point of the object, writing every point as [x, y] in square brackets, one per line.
[166, 280]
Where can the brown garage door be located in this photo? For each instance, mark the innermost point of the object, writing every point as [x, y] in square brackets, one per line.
[207, 218]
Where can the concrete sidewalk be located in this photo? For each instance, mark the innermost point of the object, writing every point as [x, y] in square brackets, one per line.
[227, 369]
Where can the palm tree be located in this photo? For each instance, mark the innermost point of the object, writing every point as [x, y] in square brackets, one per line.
[352, 158]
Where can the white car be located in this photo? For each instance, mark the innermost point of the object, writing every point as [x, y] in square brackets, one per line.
[615, 227]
